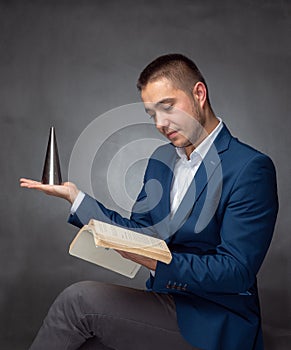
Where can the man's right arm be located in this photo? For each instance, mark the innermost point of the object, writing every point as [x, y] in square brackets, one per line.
[84, 207]
[68, 190]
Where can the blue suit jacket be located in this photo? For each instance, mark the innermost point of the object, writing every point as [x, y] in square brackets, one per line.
[219, 237]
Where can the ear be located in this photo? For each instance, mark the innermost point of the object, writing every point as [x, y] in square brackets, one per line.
[200, 93]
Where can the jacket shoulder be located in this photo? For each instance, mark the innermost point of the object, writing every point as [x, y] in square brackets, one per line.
[163, 151]
[245, 153]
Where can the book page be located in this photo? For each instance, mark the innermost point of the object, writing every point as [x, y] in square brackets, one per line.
[83, 247]
[123, 236]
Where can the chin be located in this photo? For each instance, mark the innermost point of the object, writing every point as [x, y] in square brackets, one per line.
[179, 144]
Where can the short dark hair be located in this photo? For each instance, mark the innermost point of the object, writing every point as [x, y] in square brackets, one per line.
[177, 68]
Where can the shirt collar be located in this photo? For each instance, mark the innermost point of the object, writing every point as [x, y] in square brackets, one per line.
[202, 149]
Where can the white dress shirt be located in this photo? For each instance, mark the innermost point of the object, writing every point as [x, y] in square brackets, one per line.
[185, 169]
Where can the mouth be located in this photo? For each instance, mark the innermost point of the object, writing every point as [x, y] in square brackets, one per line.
[172, 134]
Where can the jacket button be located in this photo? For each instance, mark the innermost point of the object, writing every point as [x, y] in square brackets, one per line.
[185, 287]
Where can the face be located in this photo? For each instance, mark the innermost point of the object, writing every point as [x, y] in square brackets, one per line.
[177, 115]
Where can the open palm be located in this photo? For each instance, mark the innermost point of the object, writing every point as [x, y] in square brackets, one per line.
[68, 190]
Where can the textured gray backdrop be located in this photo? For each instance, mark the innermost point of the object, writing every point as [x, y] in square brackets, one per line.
[63, 63]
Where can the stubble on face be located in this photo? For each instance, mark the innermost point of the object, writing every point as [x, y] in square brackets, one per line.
[198, 133]
[184, 123]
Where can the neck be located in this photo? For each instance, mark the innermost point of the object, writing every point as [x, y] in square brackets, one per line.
[210, 124]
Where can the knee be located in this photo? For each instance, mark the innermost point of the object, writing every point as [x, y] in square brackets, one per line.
[70, 305]
[74, 295]
[85, 298]
[77, 289]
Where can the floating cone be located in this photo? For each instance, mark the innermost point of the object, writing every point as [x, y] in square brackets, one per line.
[51, 171]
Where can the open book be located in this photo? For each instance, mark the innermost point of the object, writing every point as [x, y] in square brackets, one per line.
[97, 241]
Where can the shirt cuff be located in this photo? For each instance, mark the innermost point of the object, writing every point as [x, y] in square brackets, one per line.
[77, 202]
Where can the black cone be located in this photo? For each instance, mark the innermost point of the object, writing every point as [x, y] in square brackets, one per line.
[51, 171]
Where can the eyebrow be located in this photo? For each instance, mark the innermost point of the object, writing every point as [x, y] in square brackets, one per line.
[166, 100]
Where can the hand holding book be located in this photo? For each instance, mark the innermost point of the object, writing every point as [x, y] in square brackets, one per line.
[149, 263]
[111, 246]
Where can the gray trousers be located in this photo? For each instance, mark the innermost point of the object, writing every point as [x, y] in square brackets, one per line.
[93, 315]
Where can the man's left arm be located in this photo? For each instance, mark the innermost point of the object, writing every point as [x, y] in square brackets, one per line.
[246, 232]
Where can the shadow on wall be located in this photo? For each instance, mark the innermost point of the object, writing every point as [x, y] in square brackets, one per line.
[276, 339]
[276, 335]
[18, 305]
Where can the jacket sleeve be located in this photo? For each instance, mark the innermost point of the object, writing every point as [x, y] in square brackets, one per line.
[246, 231]
[90, 208]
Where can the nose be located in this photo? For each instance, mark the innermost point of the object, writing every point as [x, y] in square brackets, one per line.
[161, 120]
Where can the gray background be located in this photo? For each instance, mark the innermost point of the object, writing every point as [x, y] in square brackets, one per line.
[63, 63]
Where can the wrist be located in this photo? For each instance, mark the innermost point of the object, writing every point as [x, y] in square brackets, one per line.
[73, 193]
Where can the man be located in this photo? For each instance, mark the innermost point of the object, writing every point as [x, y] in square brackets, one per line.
[217, 213]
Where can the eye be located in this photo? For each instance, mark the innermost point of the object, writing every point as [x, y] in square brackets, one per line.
[152, 115]
[167, 107]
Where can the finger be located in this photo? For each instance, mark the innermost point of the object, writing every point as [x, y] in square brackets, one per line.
[34, 184]
[50, 189]
[40, 186]
[122, 253]
[29, 185]
[119, 251]
[28, 181]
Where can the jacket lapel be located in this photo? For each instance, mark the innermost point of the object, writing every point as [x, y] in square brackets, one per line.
[210, 168]
[166, 160]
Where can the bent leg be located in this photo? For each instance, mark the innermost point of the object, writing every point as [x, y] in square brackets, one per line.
[119, 318]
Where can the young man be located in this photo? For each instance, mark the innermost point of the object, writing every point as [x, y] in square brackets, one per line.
[217, 213]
